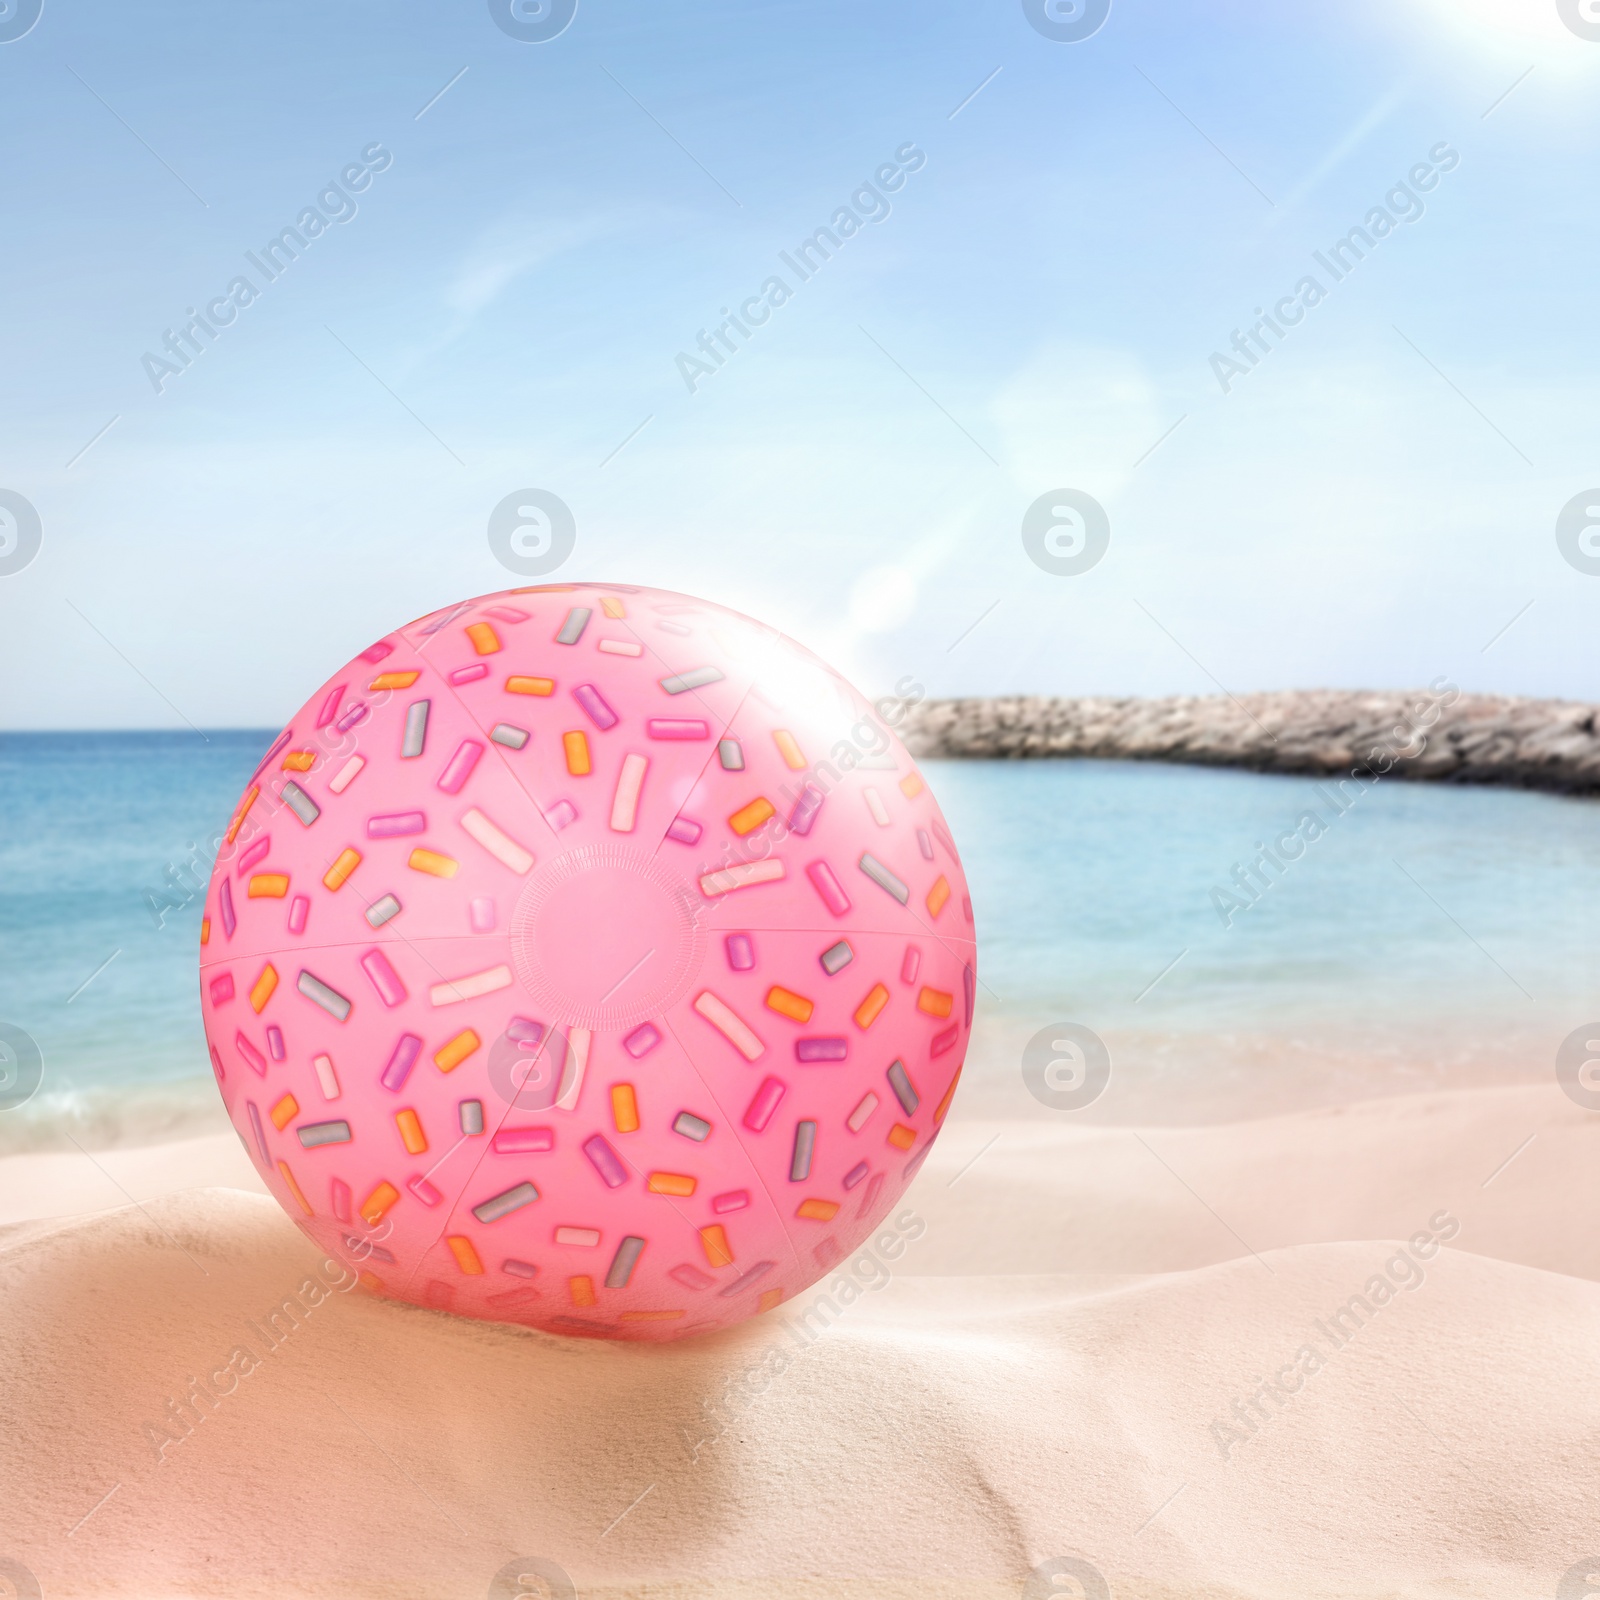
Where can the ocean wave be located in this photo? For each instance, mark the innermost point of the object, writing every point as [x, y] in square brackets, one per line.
[103, 1119]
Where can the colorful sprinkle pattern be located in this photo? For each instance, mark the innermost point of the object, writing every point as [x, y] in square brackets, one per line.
[590, 958]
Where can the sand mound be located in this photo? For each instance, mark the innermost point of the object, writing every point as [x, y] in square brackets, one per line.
[935, 1436]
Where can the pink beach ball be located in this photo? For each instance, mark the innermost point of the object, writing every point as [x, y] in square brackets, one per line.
[588, 957]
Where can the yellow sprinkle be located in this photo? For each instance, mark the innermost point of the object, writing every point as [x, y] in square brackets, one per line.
[294, 1188]
[370, 1282]
[818, 1210]
[581, 1290]
[450, 1056]
[949, 1095]
[484, 639]
[432, 862]
[714, 1241]
[466, 1256]
[268, 885]
[612, 606]
[902, 1137]
[261, 991]
[300, 761]
[867, 1011]
[934, 1002]
[649, 1316]
[937, 896]
[576, 746]
[346, 863]
[377, 1203]
[678, 1183]
[250, 796]
[789, 1004]
[624, 1108]
[205, 930]
[286, 1110]
[394, 680]
[531, 685]
[769, 1299]
[912, 785]
[748, 818]
[793, 757]
[411, 1134]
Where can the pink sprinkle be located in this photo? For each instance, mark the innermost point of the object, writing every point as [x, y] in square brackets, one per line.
[330, 706]
[255, 852]
[339, 1191]
[911, 964]
[254, 1057]
[459, 768]
[828, 886]
[691, 1277]
[943, 1041]
[478, 669]
[642, 1040]
[384, 978]
[423, 1190]
[685, 831]
[397, 824]
[561, 815]
[222, 988]
[216, 1063]
[225, 906]
[482, 914]
[759, 1112]
[677, 728]
[524, 1141]
[741, 953]
[376, 653]
[733, 1200]
[506, 614]
[805, 810]
[356, 713]
[299, 910]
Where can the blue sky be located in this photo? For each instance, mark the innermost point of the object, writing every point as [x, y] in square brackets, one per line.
[1371, 504]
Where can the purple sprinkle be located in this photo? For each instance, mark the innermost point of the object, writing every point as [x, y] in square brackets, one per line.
[260, 1133]
[401, 1061]
[805, 810]
[821, 1049]
[561, 815]
[741, 953]
[460, 766]
[856, 1174]
[733, 1200]
[594, 704]
[277, 744]
[925, 844]
[275, 1042]
[685, 831]
[396, 824]
[225, 905]
[968, 988]
[759, 1112]
[478, 669]
[642, 1040]
[612, 1173]
[356, 713]
[257, 1061]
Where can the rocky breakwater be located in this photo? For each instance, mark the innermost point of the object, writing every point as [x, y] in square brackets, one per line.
[1436, 733]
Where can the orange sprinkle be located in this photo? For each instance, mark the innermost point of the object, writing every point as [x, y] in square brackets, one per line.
[345, 863]
[299, 761]
[769, 1299]
[650, 1316]
[205, 930]
[789, 1004]
[934, 1002]
[250, 797]
[411, 1134]
[902, 1137]
[818, 1210]
[294, 1188]
[581, 1289]
[286, 1110]
[516, 685]
[268, 885]
[714, 1241]
[912, 785]
[678, 1183]
[612, 607]
[450, 1056]
[466, 1256]
[484, 639]
[937, 896]
[394, 680]
[433, 863]
[370, 1282]
[867, 1012]
[793, 756]
[261, 990]
[624, 1108]
[748, 818]
[377, 1203]
[576, 746]
[949, 1095]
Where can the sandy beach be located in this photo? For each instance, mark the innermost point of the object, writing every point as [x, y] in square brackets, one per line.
[1343, 1351]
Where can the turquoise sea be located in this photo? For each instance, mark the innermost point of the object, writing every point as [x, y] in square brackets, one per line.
[1426, 934]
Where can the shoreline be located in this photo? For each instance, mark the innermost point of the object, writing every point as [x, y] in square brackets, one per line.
[1436, 734]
